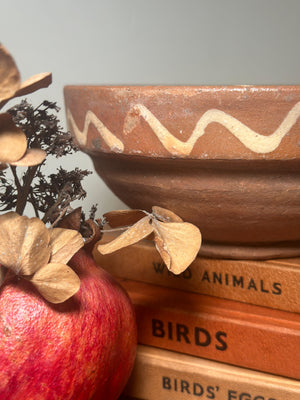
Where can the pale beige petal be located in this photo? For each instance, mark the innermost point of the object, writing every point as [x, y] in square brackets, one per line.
[11, 237]
[9, 75]
[162, 249]
[165, 215]
[134, 234]
[13, 143]
[34, 83]
[64, 244]
[56, 282]
[178, 243]
[30, 158]
[23, 243]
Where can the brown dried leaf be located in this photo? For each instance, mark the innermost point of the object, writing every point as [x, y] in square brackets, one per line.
[132, 235]
[178, 244]
[165, 215]
[71, 220]
[34, 83]
[119, 218]
[13, 143]
[23, 243]
[95, 232]
[64, 244]
[56, 282]
[30, 158]
[9, 75]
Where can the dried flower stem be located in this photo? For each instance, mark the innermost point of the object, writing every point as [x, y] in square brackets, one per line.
[23, 190]
[61, 214]
[33, 202]
[16, 178]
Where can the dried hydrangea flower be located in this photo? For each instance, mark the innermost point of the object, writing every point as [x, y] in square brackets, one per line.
[178, 242]
[32, 251]
[13, 144]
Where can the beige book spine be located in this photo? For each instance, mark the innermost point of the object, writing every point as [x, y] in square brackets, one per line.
[160, 374]
[272, 283]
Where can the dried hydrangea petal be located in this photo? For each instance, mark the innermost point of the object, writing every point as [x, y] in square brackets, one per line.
[178, 243]
[134, 234]
[165, 215]
[23, 243]
[13, 143]
[30, 158]
[64, 244]
[9, 75]
[56, 282]
[34, 83]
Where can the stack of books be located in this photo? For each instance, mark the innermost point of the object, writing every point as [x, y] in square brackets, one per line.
[223, 329]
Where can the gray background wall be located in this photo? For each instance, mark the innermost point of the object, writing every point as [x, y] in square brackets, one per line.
[150, 42]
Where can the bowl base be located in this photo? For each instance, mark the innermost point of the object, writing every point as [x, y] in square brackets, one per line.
[250, 252]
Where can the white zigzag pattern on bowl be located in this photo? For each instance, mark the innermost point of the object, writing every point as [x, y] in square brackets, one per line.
[252, 140]
[109, 138]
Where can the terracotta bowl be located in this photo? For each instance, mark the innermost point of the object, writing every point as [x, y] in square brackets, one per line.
[225, 158]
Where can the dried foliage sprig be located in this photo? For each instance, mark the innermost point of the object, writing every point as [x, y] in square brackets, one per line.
[50, 196]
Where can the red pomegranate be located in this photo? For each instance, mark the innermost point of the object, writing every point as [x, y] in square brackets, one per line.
[81, 349]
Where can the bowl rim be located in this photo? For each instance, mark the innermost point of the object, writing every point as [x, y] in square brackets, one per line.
[206, 87]
[253, 142]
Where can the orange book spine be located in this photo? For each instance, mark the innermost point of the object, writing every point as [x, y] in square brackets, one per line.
[240, 334]
[164, 375]
[272, 283]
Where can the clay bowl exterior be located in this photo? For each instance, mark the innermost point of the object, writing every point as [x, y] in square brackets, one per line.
[224, 158]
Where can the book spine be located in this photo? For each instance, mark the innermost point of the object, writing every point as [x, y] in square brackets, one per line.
[239, 334]
[164, 375]
[274, 284]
